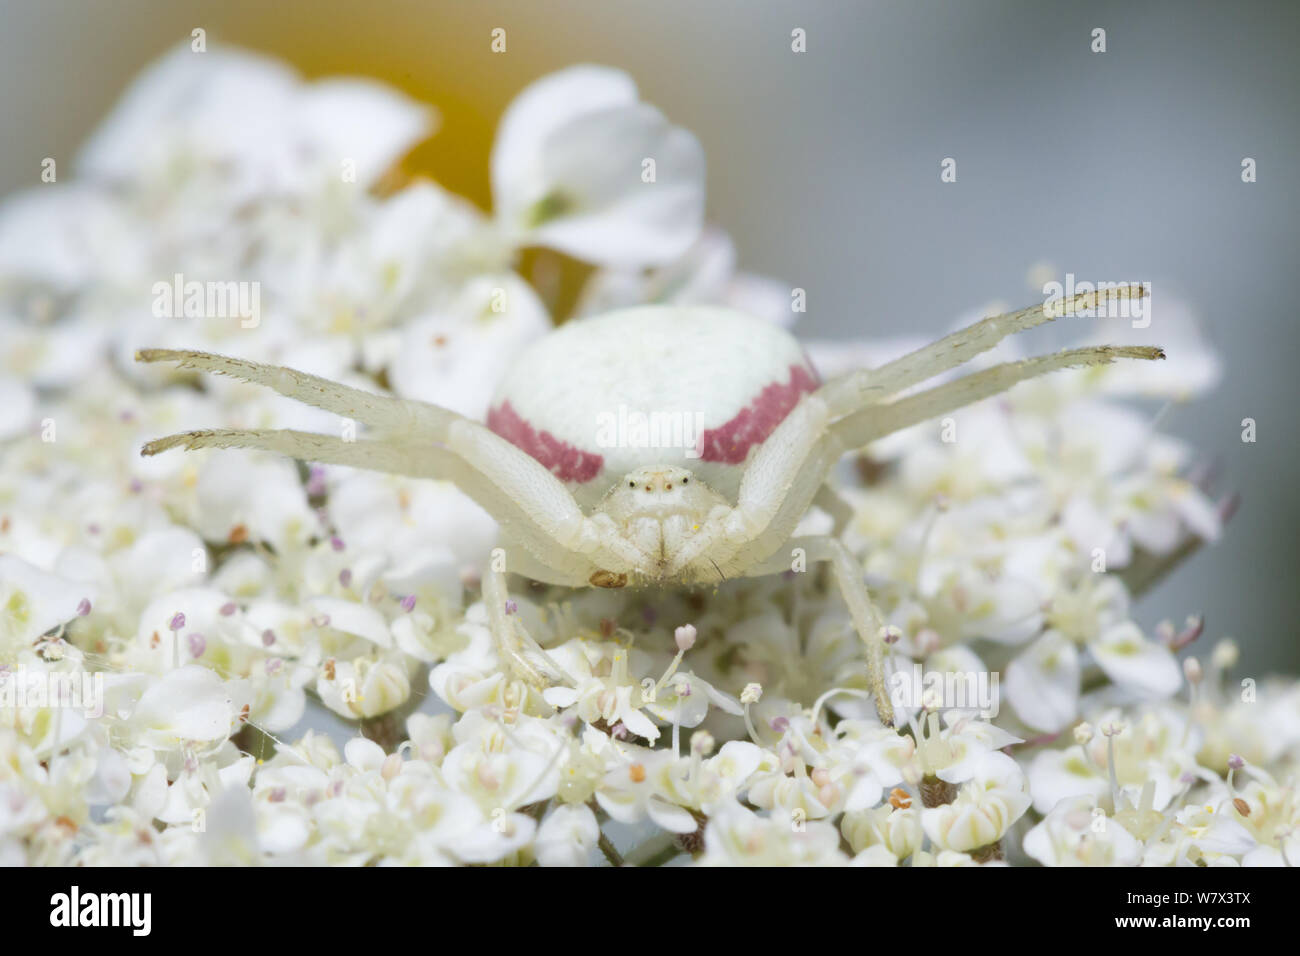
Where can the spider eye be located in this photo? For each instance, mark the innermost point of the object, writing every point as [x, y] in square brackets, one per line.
[684, 480]
[631, 484]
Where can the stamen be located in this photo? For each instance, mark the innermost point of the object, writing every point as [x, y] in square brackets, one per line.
[751, 695]
[1112, 731]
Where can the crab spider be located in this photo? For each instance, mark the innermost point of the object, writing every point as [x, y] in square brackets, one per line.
[581, 509]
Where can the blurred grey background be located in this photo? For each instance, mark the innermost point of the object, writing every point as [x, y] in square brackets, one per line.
[824, 167]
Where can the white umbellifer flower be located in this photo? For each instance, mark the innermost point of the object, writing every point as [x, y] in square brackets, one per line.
[212, 593]
[32, 602]
[188, 704]
[262, 500]
[569, 171]
[1133, 661]
[504, 836]
[875, 855]
[640, 786]
[183, 106]
[739, 837]
[567, 836]
[503, 769]
[455, 355]
[705, 275]
[1205, 835]
[1043, 680]
[364, 686]
[985, 807]
[620, 696]
[685, 700]
[800, 795]
[958, 752]
[897, 830]
[1077, 833]
[1158, 748]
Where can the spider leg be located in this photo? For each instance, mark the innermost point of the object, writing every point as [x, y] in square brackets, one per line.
[535, 511]
[380, 411]
[785, 474]
[533, 507]
[848, 392]
[307, 446]
[840, 511]
[781, 480]
[518, 650]
[866, 617]
[875, 421]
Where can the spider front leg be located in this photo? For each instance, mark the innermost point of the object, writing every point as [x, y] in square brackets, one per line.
[839, 510]
[781, 480]
[518, 650]
[850, 580]
[849, 392]
[532, 506]
[878, 420]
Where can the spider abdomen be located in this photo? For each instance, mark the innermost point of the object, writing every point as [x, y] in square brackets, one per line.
[694, 387]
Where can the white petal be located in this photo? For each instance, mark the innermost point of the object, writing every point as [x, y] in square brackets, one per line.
[639, 724]
[356, 619]
[1055, 775]
[490, 842]
[617, 218]
[189, 703]
[33, 601]
[543, 107]
[193, 97]
[566, 836]
[457, 357]
[671, 817]
[363, 121]
[1043, 683]
[866, 793]
[17, 408]
[560, 696]
[1135, 663]
[364, 754]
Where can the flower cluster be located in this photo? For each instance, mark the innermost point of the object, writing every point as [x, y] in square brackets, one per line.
[171, 627]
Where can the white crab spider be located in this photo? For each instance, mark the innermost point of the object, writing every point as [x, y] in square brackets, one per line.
[578, 514]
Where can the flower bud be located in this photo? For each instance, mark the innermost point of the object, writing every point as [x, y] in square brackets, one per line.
[685, 637]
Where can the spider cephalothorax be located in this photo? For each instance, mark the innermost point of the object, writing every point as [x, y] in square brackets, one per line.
[657, 445]
[659, 509]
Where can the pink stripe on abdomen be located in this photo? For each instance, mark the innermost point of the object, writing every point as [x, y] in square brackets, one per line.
[563, 460]
[730, 443]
